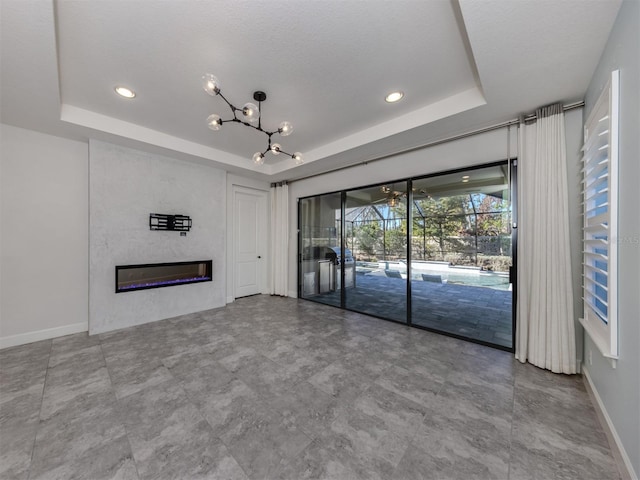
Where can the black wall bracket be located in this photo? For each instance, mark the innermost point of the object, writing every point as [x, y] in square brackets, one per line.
[177, 223]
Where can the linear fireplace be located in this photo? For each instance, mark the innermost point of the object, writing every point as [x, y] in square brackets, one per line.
[156, 275]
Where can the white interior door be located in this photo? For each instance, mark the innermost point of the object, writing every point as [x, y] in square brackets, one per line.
[250, 241]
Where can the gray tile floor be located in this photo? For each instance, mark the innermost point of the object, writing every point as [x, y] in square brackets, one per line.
[480, 313]
[273, 388]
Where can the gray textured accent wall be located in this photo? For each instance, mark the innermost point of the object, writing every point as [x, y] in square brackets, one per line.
[619, 388]
[125, 186]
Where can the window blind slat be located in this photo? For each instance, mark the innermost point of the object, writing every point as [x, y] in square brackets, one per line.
[596, 137]
[596, 229]
[592, 269]
[601, 220]
[592, 296]
[596, 242]
[598, 173]
[599, 256]
[594, 283]
[592, 159]
[597, 310]
[596, 208]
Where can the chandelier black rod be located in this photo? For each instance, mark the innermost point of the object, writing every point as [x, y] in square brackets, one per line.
[280, 151]
[233, 108]
[235, 118]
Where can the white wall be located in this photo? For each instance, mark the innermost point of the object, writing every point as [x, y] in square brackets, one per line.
[127, 185]
[44, 236]
[619, 389]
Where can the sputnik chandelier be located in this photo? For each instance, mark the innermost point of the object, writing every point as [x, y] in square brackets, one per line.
[249, 113]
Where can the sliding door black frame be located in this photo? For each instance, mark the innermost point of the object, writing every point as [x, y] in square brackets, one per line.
[409, 237]
[513, 272]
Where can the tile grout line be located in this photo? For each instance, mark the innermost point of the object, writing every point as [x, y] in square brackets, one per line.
[126, 432]
[44, 384]
[513, 409]
[410, 443]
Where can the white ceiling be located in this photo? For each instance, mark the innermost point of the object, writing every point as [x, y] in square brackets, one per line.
[325, 65]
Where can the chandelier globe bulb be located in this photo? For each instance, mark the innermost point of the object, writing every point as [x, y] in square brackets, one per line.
[214, 122]
[210, 84]
[297, 156]
[258, 158]
[251, 112]
[285, 129]
[276, 148]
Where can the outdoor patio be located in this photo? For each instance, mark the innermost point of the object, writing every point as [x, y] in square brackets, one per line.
[474, 312]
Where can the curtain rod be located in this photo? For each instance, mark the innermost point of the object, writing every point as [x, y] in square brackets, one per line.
[527, 118]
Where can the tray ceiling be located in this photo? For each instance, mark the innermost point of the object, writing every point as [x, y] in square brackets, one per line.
[326, 67]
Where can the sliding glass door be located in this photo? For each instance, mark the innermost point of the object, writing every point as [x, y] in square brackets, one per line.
[376, 233]
[461, 255]
[320, 240]
[433, 252]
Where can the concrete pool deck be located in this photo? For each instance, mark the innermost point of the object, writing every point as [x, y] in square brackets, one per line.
[478, 313]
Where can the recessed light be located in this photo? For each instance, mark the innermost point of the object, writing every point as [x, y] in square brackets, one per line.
[393, 97]
[465, 177]
[125, 92]
[465, 180]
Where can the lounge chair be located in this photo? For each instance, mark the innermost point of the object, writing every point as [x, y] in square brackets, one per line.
[431, 278]
[393, 273]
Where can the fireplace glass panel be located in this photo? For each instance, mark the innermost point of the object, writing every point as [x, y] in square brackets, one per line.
[141, 277]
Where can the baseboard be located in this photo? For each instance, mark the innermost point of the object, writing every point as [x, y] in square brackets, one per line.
[621, 454]
[30, 337]
[230, 299]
